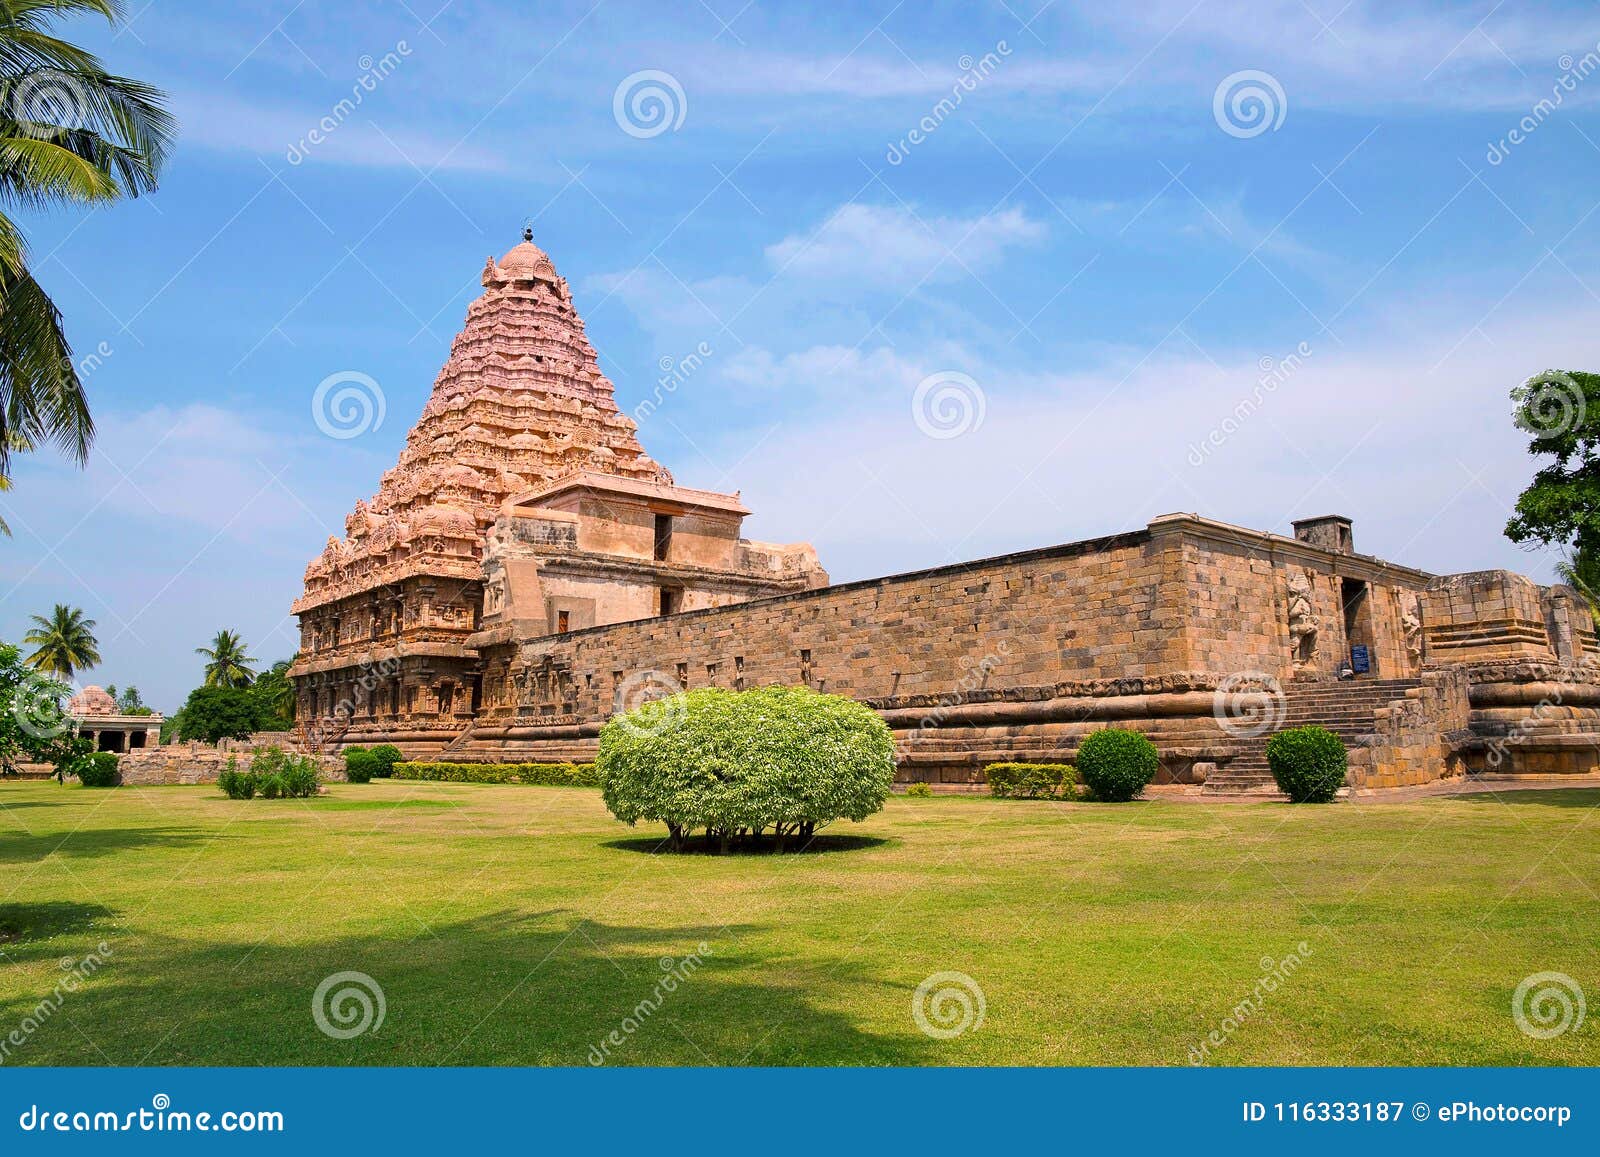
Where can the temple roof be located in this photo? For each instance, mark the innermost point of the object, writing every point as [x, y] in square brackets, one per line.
[519, 403]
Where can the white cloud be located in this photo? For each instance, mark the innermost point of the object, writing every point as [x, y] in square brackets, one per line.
[280, 134]
[1422, 455]
[898, 247]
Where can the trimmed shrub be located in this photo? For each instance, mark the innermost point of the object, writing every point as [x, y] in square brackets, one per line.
[384, 757]
[1031, 780]
[736, 763]
[236, 784]
[360, 765]
[1309, 763]
[97, 769]
[919, 791]
[280, 775]
[1117, 763]
[531, 774]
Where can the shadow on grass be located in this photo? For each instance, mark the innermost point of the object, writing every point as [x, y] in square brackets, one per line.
[819, 845]
[22, 849]
[1578, 797]
[502, 989]
[22, 925]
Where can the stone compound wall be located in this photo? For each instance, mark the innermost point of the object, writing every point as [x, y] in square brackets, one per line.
[1016, 657]
[202, 762]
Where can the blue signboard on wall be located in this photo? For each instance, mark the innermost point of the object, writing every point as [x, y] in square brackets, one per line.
[1360, 661]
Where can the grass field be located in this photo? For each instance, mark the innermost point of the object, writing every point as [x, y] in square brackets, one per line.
[517, 925]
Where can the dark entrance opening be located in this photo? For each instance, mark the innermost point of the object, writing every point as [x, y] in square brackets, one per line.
[110, 741]
[1358, 621]
[671, 600]
[135, 740]
[663, 537]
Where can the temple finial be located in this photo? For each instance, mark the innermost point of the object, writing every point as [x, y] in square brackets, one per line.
[527, 232]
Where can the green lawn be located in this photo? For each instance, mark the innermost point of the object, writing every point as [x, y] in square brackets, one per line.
[517, 925]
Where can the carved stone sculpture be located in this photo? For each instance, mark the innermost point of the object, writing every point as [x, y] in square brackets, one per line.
[1304, 625]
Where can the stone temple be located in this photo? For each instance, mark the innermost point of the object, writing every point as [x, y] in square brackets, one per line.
[526, 569]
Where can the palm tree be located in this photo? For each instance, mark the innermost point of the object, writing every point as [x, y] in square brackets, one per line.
[65, 642]
[228, 665]
[1581, 570]
[70, 133]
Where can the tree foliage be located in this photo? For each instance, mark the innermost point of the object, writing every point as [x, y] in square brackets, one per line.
[735, 764]
[215, 713]
[1560, 411]
[34, 725]
[63, 642]
[228, 664]
[71, 133]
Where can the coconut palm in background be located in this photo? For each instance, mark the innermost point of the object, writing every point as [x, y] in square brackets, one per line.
[228, 664]
[70, 134]
[64, 643]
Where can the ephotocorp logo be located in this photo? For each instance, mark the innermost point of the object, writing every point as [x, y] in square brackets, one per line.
[650, 703]
[348, 404]
[42, 102]
[1249, 103]
[1548, 1004]
[648, 103]
[948, 404]
[348, 1004]
[1248, 703]
[948, 1004]
[1550, 405]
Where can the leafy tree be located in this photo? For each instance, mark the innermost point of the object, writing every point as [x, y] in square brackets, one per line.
[274, 695]
[215, 713]
[737, 763]
[129, 702]
[70, 134]
[34, 727]
[1561, 506]
[227, 663]
[64, 643]
[1581, 571]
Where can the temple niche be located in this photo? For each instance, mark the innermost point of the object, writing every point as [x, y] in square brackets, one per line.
[523, 471]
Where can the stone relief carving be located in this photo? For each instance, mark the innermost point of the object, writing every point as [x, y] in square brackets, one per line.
[1411, 625]
[1304, 626]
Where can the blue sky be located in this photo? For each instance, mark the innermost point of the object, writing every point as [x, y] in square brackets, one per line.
[1095, 252]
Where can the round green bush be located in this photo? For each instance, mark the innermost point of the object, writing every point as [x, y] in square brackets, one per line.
[1309, 763]
[1116, 764]
[384, 757]
[919, 791]
[735, 764]
[97, 769]
[360, 765]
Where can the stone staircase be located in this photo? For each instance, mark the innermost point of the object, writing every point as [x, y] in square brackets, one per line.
[1345, 708]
